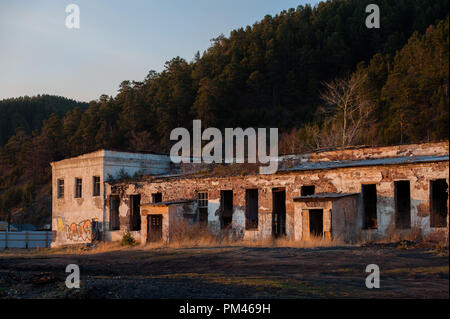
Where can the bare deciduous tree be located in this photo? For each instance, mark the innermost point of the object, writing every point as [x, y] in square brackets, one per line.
[348, 105]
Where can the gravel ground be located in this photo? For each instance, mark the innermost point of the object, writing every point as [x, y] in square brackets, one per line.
[227, 272]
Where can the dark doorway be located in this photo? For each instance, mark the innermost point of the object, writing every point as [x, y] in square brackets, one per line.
[369, 196]
[402, 204]
[226, 202]
[154, 228]
[114, 220]
[316, 222]
[307, 190]
[438, 203]
[157, 198]
[251, 209]
[135, 210]
[279, 212]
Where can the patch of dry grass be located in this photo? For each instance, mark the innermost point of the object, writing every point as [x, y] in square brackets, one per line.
[95, 248]
[184, 235]
[419, 270]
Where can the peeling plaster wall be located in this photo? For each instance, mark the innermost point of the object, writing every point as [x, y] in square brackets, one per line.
[172, 219]
[345, 180]
[345, 219]
[72, 218]
[213, 216]
[131, 163]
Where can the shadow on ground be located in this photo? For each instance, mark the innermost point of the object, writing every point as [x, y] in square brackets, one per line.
[227, 272]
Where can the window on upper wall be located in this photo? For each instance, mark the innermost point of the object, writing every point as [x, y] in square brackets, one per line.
[95, 185]
[78, 187]
[307, 190]
[156, 197]
[202, 200]
[60, 188]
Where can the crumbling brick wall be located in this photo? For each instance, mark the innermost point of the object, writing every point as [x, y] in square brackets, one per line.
[342, 180]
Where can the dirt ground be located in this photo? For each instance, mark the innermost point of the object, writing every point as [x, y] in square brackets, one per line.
[227, 272]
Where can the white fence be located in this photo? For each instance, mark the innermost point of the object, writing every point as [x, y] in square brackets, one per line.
[25, 239]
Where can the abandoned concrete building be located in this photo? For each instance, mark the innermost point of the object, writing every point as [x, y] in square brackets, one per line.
[333, 194]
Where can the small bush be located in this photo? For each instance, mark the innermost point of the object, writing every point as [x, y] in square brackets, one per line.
[127, 240]
[403, 245]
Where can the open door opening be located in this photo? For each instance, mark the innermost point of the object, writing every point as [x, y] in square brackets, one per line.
[251, 209]
[316, 223]
[279, 212]
[402, 204]
[154, 228]
[114, 219]
[226, 201]
[369, 196]
[135, 210]
[438, 203]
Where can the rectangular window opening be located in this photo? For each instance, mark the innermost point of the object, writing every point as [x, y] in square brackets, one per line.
[60, 188]
[157, 198]
[307, 190]
[202, 200]
[78, 187]
[95, 185]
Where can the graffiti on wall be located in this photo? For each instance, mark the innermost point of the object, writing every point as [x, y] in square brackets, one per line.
[84, 231]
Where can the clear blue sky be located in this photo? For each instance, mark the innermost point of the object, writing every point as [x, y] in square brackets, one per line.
[117, 40]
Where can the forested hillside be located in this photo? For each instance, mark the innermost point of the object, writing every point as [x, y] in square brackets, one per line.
[29, 113]
[285, 71]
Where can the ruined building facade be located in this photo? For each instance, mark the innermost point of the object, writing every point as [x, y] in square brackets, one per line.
[338, 194]
[78, 190]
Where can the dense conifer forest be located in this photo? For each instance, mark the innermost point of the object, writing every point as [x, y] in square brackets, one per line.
[287, 71]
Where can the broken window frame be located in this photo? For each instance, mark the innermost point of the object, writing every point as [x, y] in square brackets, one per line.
[95, 186]
[60, 188]
[202, 205]
[78, 187]
[202, 199]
